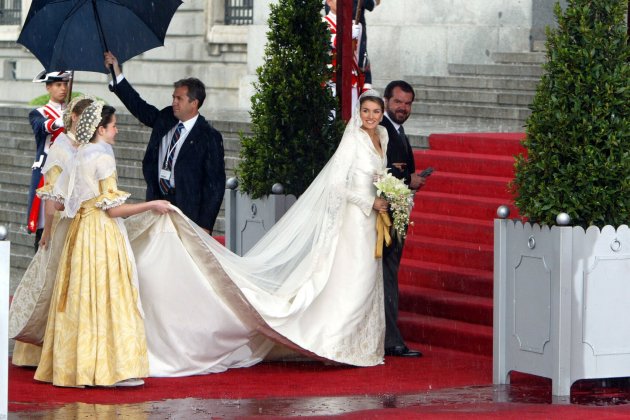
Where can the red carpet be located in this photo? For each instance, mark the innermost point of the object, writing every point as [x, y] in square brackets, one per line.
[446, 303]
[438, 368]
[446, 271]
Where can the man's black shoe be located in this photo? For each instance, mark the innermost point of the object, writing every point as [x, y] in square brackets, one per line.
[402, 351]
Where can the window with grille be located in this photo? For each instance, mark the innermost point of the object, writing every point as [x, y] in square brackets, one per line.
[10, 12]
[239, 12]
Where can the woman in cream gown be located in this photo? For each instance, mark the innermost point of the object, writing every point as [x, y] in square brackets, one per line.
[41, 272]
[312, 283]
[95, 332]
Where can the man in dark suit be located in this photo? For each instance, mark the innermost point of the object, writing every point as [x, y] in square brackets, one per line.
[184, 160]
[398, 96]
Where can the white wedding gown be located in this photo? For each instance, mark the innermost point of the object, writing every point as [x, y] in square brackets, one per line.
[311, 284]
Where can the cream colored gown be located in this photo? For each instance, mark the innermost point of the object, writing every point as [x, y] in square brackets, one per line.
[312, 284]
[31, 299]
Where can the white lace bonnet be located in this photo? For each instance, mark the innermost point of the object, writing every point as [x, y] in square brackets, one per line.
[88, 121]
[67, 113]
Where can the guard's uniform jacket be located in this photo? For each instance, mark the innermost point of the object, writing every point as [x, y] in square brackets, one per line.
[42, 121]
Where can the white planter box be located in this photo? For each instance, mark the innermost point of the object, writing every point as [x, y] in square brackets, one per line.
[561, 303]
[5, 264]
[247, 220]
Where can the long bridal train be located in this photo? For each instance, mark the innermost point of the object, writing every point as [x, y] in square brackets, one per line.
[202, 315]
[311, 283]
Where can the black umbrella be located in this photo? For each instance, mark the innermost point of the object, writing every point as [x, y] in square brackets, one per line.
[74, 34]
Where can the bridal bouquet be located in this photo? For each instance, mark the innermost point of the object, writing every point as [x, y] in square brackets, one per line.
[400, 199]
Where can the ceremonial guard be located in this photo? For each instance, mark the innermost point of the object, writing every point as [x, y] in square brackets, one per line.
[47, 124]
[331, 21]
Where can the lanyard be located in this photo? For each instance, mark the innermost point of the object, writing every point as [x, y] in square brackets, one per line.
[173, 147]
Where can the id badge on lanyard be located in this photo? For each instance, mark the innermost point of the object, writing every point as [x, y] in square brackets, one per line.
[165, 174]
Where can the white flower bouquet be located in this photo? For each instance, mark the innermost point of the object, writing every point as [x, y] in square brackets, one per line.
[400, 199]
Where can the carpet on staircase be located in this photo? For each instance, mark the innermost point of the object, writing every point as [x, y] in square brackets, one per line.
[446, 280]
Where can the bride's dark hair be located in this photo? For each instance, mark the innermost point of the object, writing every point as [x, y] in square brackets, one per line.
[376, 99]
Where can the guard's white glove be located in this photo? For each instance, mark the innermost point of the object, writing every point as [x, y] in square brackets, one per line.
[58, 123]
[356, 30]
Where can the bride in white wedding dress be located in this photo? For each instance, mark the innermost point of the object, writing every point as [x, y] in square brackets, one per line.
[311, 284]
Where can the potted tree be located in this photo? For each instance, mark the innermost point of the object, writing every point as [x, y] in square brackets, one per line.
[561, 283]
[294, 131]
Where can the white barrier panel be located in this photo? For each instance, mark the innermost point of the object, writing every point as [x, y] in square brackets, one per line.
[5, 253]
[561, 303]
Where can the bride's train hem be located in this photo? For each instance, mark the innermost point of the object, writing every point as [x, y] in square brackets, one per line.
[201, 248]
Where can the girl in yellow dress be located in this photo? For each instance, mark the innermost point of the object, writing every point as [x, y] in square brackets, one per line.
[29, 308]
[95, 331]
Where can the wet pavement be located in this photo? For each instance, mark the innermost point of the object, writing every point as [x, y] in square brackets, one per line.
[477, 400]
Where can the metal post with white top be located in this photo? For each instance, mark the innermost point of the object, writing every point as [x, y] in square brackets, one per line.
[5, 256]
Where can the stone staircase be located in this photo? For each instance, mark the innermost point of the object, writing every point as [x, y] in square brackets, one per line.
[17, 154]
[476, 98]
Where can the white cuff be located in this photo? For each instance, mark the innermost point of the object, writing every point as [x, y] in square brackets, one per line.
[119, 79]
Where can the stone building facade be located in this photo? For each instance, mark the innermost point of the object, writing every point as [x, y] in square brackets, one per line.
[222, 43]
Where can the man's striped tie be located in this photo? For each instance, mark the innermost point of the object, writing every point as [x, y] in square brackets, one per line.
[165, 184]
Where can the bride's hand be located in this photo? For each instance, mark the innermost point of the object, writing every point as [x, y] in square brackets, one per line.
[161, 206]
[380, 204]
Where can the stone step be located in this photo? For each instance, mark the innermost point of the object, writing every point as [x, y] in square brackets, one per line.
[11, 194]
[477, 83]
[539, 46]
[421, 126]
[22, 237]
[19, 263]
[12, 213]
[519, 57]
[15, 113]
[472, 110]
[16, 158]
[506, 70]
[475, 96]
[15, 179]
[19, 125]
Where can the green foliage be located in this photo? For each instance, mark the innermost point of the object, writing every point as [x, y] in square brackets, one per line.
[293, 132]
[43, 99]
[578, 136]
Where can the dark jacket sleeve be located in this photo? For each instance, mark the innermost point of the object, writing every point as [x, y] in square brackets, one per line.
[411, 162]
[397, 152]
[38, 124]
[214, 187]
[146, 113]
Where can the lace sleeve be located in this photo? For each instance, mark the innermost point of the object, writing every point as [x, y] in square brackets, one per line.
[110, 196]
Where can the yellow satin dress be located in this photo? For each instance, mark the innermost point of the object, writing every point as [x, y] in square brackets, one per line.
[95, 331]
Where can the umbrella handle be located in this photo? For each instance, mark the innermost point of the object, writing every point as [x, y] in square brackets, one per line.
[111, 70]
[99, 26]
